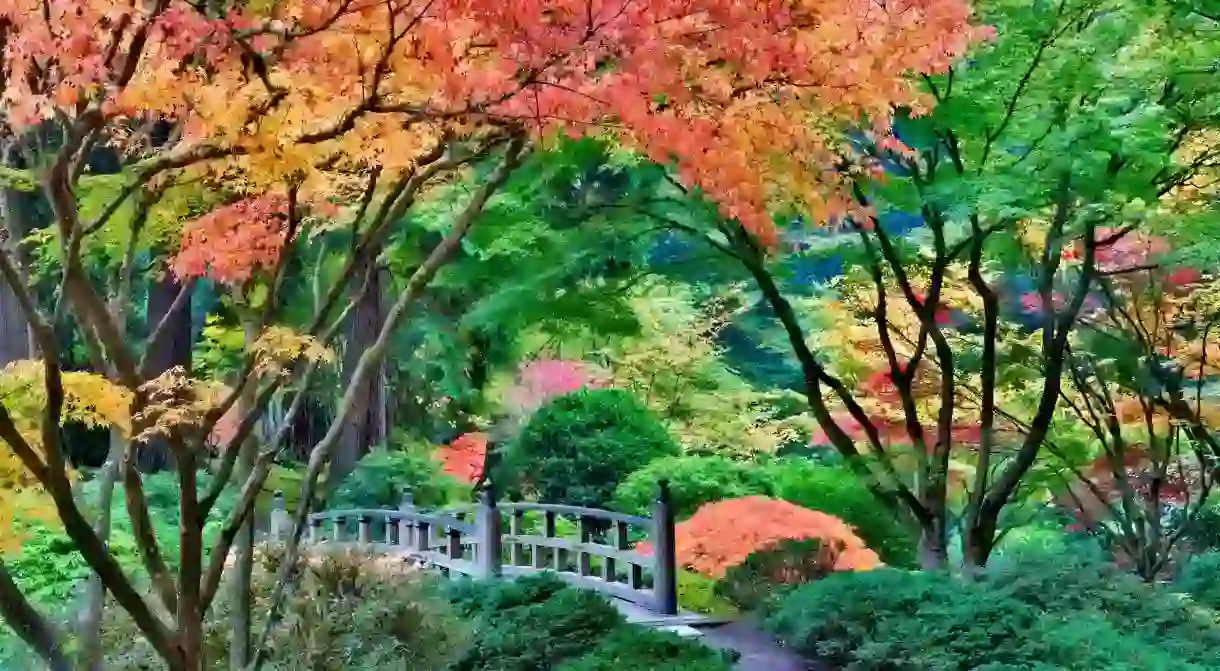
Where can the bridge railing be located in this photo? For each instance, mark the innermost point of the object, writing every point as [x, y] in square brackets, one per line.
[490, 539]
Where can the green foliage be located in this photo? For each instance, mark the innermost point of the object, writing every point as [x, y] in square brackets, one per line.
[161, 492]
[832, 489]
[766, 574]
[538, 622]
[382, 477]
[693, 481]
[1203, 532]
[50, 570]
[1053, 613]
[1200, 578]
[577, 448]
[346, 611]
[629, 648]
[533, 624]
[697, 594]
[837, 491]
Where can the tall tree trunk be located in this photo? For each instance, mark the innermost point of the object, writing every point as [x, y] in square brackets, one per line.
[241, 622]
[173, 349]
[90, 622]
[15, 339]
[365, 425]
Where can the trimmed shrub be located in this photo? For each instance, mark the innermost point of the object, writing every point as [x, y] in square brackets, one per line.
[538, 622]
[697, 594]
[1200, 578]
[1056, 613]
[532, 623]
[630, 648]
[579, 446]
[791, 562]
[838, 491]
[724, 534]
[693, 481]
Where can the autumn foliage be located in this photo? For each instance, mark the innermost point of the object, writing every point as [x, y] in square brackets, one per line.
[720, 87]
[464, 457]
[721, 535]
[540, 380]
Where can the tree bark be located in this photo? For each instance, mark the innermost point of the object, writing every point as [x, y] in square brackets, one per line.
[365, 425]
[173, 348]
[16, 341]
[89, 625]
[19, 614]
[240, 619]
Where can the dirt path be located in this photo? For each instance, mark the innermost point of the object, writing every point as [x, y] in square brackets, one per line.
[759, 651]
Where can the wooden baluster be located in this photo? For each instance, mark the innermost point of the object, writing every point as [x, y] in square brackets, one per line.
[538, 561]
[315, 530]
[583, 564]
[281, 524]
[391, 529]
[422, 532]
[619, 542]
[455, 544]
[365, 530]
[556, 553]
[405, 524]
[338, 530]
[516, 551]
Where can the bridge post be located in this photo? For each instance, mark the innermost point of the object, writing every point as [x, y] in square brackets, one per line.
[405, 525]
[665, 573]
[279, 519]
[488, 549]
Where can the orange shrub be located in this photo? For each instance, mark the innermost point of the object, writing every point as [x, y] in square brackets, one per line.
[723, 534]
[463, 458]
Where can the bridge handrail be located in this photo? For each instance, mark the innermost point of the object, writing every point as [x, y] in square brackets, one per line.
[558, 509]
[414, 530]
[436, 519]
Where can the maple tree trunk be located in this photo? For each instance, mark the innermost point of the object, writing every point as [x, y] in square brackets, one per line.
[240, 618]
[19, 614]
[365, 425]
[89, 626]
[172, 349]
[15, 339]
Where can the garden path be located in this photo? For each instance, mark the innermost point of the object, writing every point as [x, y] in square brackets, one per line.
[759, 651]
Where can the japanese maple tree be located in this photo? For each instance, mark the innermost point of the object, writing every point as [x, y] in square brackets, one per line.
[722, 534]
[1138, 372]
[1011, 151]
[300, 116]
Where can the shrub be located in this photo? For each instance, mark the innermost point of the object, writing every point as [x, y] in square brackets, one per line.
[532, 623]
[790, 562]
[1055, 613]
[1200, 578]
[463, 458]
[576, 448]
[693, 481]
[724, 534]
[538, 622]
[838, 491]
[49, 568]
[629, 648]
[380, 479]
[1203, 531]
[346, 611]
[697, 594]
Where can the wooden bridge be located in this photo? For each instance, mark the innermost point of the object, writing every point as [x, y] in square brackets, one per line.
[471, 541]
